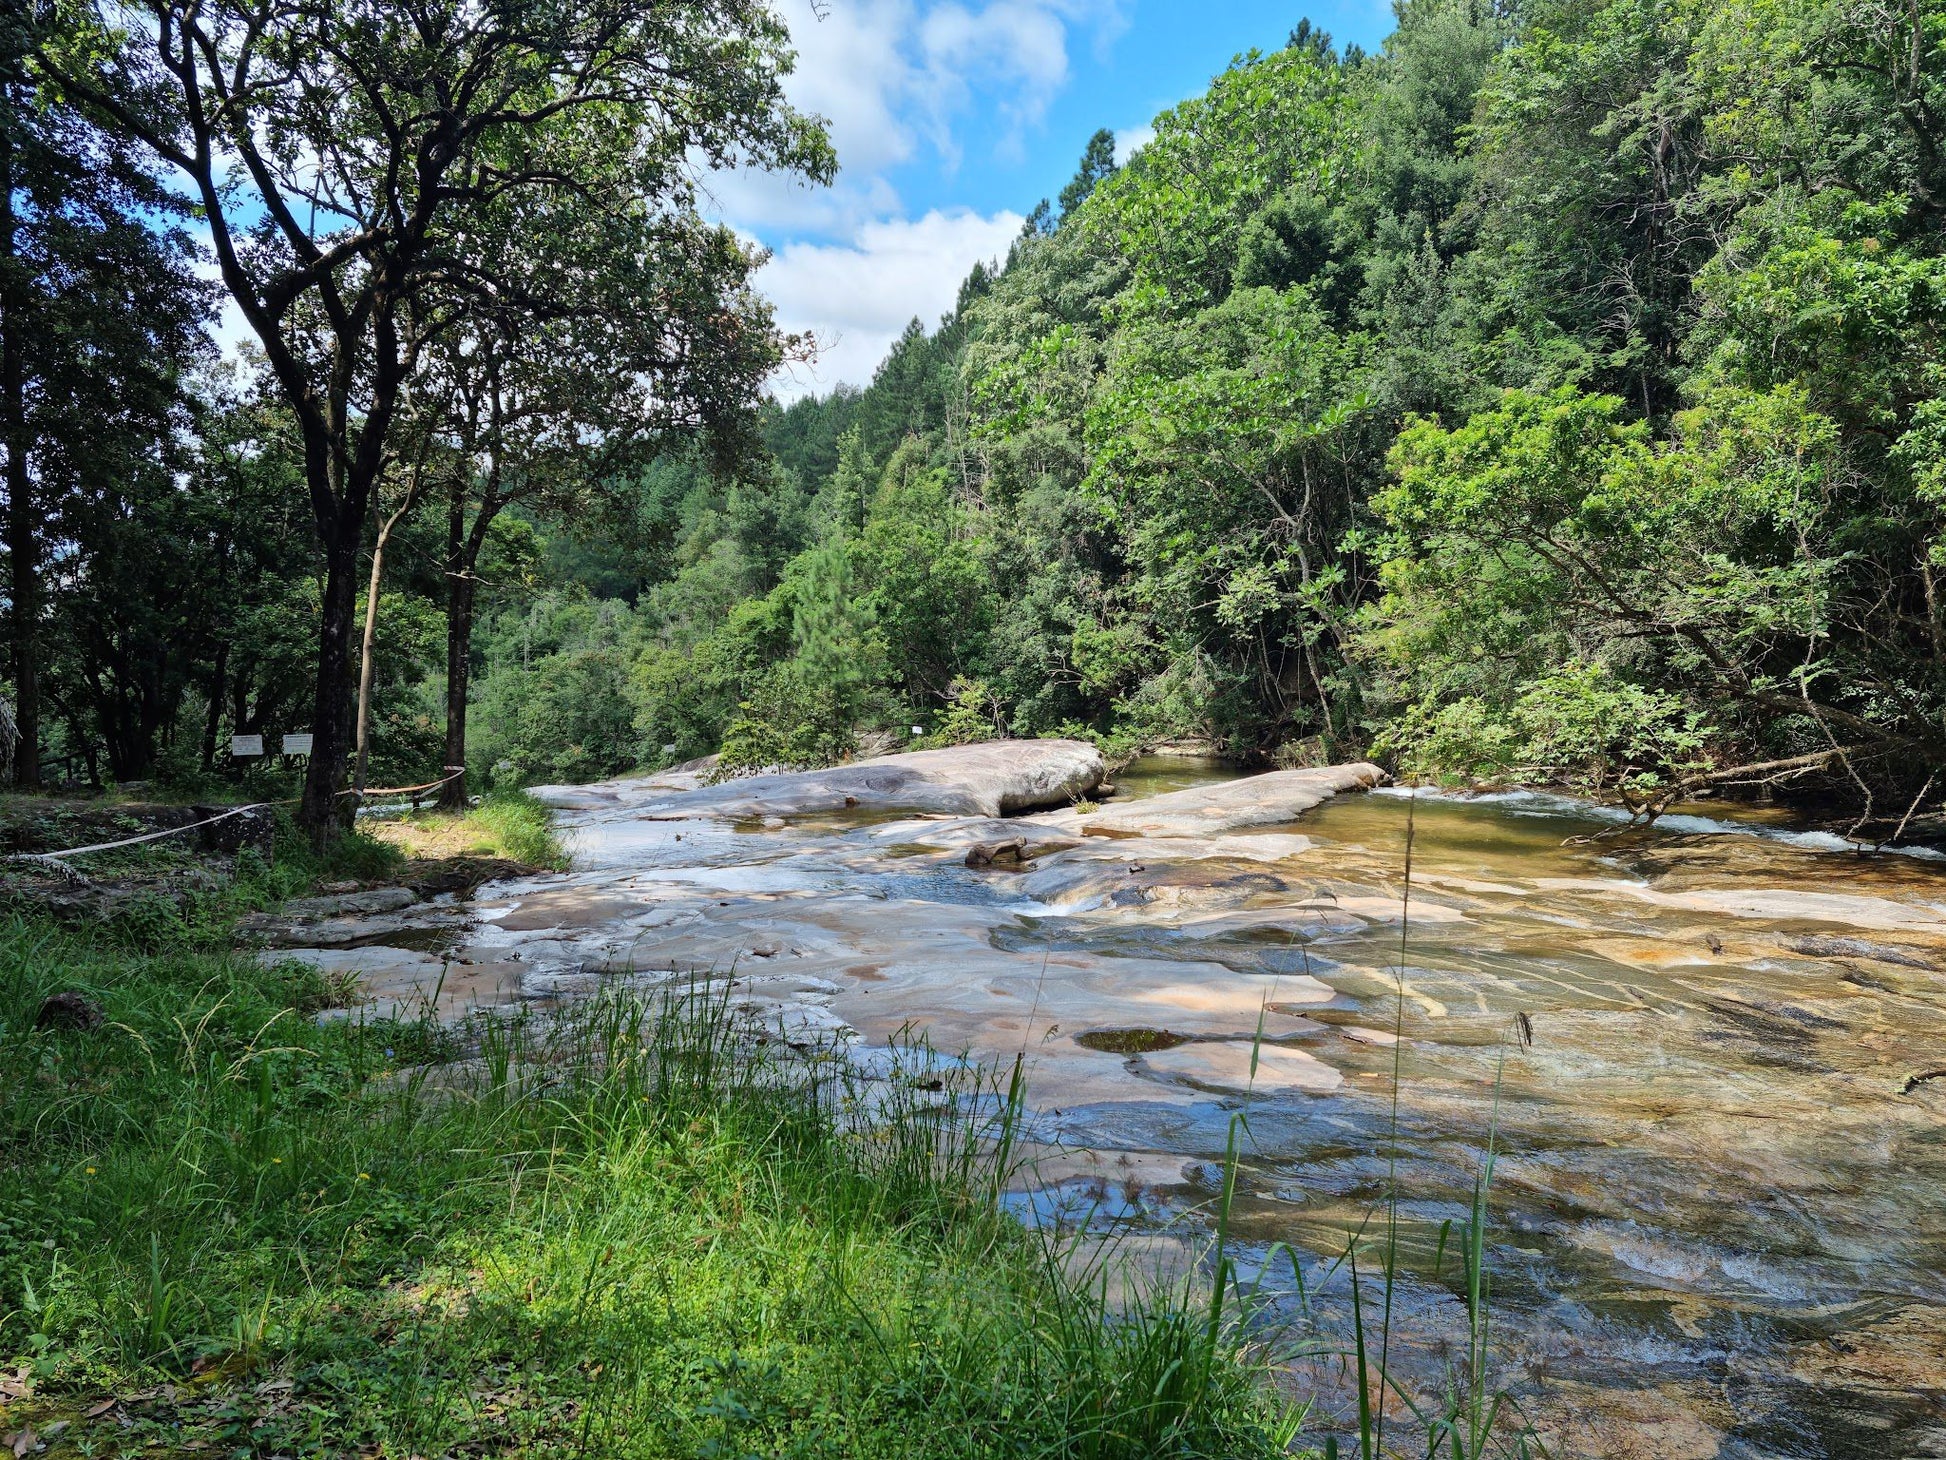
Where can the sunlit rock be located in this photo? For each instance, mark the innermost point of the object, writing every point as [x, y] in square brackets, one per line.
[993, 778]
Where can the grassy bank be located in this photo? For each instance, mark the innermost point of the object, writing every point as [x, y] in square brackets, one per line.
[509, 824]
[236, 1230]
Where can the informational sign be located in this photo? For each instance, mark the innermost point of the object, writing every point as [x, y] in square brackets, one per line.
[297, 745]
[917, 731]
[243, 745]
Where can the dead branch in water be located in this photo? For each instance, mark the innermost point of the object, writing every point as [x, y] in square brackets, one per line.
[1754, 773]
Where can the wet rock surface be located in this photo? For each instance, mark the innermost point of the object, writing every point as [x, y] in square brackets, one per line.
[1719, 1206]
[1271, 799]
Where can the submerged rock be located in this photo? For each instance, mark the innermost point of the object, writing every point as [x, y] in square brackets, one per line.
[1815, 947]
[1238, 1067]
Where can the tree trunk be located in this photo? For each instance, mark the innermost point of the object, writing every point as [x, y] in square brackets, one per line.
[23, 555]
[23, 543]
[212, 721]
[332, 461]
[325, 811]
[459, 649]
[459, 670]
[367, 661]
[463, 548]
[368, 664]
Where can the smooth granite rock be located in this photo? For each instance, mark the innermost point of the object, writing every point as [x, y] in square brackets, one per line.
[993, 778]
[1271, 799]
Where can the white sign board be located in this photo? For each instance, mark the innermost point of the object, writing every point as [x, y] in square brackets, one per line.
[297, 745]
[917, 731]
[242, 745]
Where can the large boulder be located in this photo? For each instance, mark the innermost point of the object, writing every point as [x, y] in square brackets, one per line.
[993, 778]
[1271, 799]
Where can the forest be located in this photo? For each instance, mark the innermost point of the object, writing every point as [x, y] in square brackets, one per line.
[1309, 828]
[1553, 396]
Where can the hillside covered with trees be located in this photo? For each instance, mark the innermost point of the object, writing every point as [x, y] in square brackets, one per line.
[1555, 395]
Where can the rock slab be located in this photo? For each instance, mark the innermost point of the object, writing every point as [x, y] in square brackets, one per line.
[992, 778]
[1271, 799]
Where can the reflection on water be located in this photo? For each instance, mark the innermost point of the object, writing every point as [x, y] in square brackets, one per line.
[1157, 775]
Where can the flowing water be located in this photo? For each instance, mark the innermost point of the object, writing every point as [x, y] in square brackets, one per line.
[1718, 1215]
[1717, 1212]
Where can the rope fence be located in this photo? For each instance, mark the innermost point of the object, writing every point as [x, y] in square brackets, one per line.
[57, 860]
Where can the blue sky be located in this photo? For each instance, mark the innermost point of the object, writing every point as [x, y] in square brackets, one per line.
[952, 118]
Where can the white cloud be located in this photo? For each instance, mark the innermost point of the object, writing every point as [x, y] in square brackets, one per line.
[895, 78]
[855, 69]
[1019, 49]
[856, 298]
[1129, 140]
[887, 73]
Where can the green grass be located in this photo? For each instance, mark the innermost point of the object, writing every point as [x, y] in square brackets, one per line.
[521, 827]
[509, 824]
[615, 1235]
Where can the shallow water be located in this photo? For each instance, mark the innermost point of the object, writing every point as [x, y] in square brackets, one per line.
[1717, 1216]
[1715, 1207]
[1157, 775]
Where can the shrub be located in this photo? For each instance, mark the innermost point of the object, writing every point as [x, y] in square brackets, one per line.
[791, 721]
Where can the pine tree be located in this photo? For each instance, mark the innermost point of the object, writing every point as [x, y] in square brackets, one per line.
[1097, 163]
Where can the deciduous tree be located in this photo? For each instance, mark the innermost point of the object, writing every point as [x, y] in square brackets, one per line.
[339, 152]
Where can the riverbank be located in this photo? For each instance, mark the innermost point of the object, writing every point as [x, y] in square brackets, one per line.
[245, 1222]
[1699, 1057]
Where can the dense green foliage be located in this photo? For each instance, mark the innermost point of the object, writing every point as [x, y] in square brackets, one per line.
[1555, 394]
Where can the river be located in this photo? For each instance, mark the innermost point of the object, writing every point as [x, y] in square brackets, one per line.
[1716, 1213]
